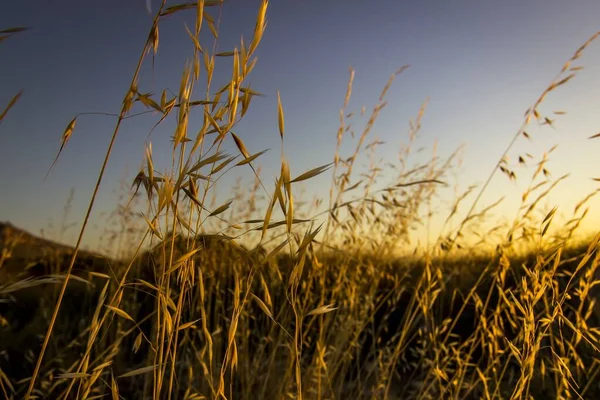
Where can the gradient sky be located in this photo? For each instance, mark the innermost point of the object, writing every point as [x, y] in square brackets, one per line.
[481, 63]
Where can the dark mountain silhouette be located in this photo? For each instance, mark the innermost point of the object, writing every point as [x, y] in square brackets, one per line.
[24, 254]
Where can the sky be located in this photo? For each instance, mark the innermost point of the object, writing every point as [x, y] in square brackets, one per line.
[481, 64]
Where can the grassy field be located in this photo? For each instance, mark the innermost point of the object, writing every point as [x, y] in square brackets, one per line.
[273, 299]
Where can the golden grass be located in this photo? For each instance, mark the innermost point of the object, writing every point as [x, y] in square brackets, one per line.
[323, 307]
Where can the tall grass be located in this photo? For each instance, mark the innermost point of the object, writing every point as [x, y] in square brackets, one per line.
[327, 305]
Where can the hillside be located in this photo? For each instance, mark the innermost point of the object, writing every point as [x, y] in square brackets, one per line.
[24, 254]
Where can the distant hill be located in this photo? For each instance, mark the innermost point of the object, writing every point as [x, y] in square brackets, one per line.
[22, 253]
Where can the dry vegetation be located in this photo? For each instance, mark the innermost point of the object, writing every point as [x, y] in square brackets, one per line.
[325, 306]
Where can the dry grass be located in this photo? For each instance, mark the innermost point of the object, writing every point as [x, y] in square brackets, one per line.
[325, 306]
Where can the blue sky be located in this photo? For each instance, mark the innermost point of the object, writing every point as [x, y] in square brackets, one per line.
[481, 64]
